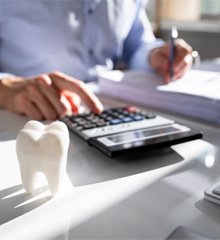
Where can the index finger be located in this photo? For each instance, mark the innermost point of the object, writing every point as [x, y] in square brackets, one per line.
[65, 82]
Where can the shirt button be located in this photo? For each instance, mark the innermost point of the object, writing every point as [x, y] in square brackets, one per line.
[90, 51]
[90, 11]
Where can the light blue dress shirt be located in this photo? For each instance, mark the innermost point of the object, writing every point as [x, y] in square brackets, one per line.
[77, 37]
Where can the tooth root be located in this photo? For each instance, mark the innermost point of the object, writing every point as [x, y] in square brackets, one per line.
[29, 179]
[28, 173]
[56, 154]
[53, 180]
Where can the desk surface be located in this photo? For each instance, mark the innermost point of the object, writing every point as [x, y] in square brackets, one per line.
[145, 197]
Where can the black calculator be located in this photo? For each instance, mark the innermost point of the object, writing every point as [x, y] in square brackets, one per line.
[123, 130]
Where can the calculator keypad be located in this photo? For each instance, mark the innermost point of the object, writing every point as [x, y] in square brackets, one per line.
[107, 117]
[113, 120]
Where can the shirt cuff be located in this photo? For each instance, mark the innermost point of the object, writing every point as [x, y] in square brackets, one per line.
[5, 75]
[139, 60]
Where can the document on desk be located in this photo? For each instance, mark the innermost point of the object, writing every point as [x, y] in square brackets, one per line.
[197, 94]
[198, 83]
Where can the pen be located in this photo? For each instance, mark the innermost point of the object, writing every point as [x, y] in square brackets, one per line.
[173, 36]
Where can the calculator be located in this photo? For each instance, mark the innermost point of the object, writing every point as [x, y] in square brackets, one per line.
[129, 129]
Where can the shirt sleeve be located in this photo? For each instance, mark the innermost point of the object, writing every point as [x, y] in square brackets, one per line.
[140, 41]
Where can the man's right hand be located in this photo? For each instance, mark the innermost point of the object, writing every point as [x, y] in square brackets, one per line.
[47, 96]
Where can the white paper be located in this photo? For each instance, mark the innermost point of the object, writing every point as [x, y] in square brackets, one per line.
[197, 94]
[196, 82]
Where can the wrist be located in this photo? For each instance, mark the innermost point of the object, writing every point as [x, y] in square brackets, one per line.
[152, 58]
[4, 91]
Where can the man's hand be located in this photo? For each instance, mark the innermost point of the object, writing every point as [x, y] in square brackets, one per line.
[159, 60]
[48, 96]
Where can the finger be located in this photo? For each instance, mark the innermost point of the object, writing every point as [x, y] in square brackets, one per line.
[64, 100]
[158, 58]
[65, 82]
[164, 50]
[180, 74]
[32, 112]
[23, 105]
[74, 101]
[183, 51]
[186, 63]
[183, 67]
[167, 78]
[41, 102]
[164, 71]
[51, 93]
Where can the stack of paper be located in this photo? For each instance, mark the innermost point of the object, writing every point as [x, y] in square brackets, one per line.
[197, 94]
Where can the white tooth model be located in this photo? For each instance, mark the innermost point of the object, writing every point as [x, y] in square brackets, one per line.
[42, 148]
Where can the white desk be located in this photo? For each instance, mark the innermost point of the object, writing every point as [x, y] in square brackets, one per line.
[124, 198]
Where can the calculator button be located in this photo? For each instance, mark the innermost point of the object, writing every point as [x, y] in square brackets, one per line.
[125, 112]
[120, 110]
[115, 121]
[88, 126]
[101, 124]
[95, 120]
[73, 125]
[79, 128]
[101, 120]
[127, 119]
[138, 117]
[116, 115]
[109, 118]
[83, 122]
[77, 119]
[121, 116]
[132, 114]
[147, 115]
[90, 117]
[108, 111]
[103, 115]
[150, 116]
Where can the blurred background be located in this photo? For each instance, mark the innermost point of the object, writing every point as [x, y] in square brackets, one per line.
[198, 22]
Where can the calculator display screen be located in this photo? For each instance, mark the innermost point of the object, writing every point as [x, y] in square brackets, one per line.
[140, 134]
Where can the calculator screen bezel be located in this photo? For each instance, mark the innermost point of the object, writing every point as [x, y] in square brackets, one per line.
[137, 136]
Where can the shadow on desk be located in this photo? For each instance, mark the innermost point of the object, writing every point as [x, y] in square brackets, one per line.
[87, 165]
[144, 214]
[5, 136]
[12, 203]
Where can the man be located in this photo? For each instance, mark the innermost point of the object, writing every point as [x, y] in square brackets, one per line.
[58, 42]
